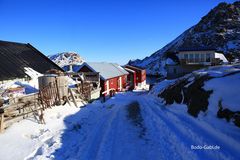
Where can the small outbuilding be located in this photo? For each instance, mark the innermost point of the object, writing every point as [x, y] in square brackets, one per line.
[138, 78]
[112, 76]
[131, 79]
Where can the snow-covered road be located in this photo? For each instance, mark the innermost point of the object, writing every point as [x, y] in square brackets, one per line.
[138, 126]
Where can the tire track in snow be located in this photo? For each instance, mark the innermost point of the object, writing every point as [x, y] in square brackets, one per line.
[169, 139]
[126, 143]
[184, 129]
[213, 138]
[214, 135]
[117, 138]
[158, 141]
[107, 141]
[185, 133]
[93, 145]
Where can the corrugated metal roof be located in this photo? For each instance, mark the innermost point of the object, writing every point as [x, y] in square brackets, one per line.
[106, 70]
[120, 68]
[15, 56]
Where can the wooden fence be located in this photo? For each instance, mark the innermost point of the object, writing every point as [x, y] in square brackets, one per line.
[48, 96]
[30, 105]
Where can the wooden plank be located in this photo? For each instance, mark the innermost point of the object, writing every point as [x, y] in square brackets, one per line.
[74, 100]
[58, 93]
[2, 125]
[34, 113]
[22, 115]
[68, 102]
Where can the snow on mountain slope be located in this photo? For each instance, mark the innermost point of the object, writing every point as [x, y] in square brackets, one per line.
[155, 64]
[128, 126]
[66, 58]
[219, 29]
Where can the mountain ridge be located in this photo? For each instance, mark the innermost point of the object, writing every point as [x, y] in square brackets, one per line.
[65, 58]
[219, 29]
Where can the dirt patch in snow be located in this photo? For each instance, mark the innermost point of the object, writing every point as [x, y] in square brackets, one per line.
[196, 97]
[174, 92]
[134, 115]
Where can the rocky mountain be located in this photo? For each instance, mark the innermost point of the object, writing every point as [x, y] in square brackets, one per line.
[219, 29]
[66, 58]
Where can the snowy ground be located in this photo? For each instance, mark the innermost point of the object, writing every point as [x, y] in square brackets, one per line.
[108, 131]
[22, 139]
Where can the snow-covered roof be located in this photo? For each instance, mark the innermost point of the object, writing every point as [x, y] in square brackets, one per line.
[106, 70]
[120, 68]
[129, 70]
[221, 56]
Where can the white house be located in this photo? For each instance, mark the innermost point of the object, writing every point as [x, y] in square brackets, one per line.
[194, 59]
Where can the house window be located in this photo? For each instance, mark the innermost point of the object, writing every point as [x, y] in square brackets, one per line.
[197, 57]
[202, 58]
[190, 57]
[185, 56]
[208, 57]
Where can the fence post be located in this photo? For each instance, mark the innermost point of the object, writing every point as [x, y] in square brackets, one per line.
[2, 127]
[74, 100]
[58, 93]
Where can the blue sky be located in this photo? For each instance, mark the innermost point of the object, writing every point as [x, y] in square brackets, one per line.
[100, 30]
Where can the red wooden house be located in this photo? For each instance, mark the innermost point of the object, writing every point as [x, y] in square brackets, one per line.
[112, 75]
[139, 77]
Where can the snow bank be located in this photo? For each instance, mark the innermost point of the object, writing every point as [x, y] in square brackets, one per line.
[160, 86]
[223, 81]
[214, 72]
[21, 139]
[225, 89]
[218, 71]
